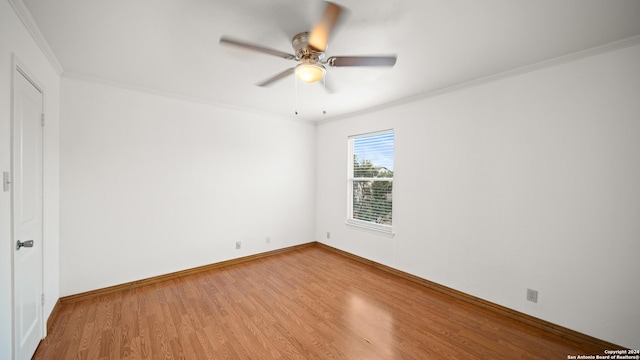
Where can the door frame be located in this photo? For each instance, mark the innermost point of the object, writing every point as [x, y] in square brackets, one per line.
[19, 69]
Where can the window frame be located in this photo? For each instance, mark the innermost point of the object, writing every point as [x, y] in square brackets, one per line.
[382, 229]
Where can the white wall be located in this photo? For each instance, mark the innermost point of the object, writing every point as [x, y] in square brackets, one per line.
[526, 182]
[15, 39]
[152, 185]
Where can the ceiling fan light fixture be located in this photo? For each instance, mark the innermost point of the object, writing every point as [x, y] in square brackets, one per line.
[310, 73]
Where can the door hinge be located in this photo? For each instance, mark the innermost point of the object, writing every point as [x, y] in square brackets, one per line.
[42, 119]
[6, 181]
[42, 299]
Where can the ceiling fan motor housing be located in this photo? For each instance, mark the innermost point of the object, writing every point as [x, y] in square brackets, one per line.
[304, 52]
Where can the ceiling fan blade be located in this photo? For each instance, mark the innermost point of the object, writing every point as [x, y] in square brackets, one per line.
[320, 33]
[225, 40]
[361, 61]
[276, 77]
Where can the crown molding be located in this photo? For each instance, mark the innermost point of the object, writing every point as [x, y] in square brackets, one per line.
[545, 64]
[177, 96]
[27, 20]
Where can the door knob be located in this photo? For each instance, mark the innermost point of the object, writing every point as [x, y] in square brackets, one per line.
[28, 243]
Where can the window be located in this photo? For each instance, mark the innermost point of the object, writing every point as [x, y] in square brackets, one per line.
[370, 181]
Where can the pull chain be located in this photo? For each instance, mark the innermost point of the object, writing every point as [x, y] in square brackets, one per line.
[295, 80]
[324, 83]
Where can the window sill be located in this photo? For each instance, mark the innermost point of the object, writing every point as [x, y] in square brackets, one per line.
[384, 230]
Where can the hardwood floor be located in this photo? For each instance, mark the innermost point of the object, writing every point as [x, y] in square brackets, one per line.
[309, 303]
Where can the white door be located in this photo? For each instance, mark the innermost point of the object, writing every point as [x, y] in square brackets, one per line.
[27, 216]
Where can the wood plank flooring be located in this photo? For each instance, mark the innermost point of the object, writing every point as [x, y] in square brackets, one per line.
[309, 303]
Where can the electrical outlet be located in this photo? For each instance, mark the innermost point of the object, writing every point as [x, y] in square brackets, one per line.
[238, 244]
[532, 295]
[268, 239]
[328, 235]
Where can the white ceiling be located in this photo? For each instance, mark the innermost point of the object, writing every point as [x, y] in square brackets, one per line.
[171, 46]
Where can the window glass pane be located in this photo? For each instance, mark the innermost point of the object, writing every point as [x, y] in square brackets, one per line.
[373, 155]
[372, 201]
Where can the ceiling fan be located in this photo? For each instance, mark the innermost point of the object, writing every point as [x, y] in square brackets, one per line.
[309, 50]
